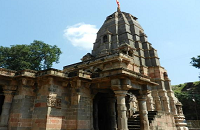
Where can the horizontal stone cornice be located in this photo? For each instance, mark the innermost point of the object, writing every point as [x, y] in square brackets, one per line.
[122, 73]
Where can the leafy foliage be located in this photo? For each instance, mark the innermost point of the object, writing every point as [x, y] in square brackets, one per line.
[36, 56]
[196, 62]
[197, 84]
[189, 95]
[178, 88]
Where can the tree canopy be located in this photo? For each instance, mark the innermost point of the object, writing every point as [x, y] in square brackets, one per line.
[36, 56]
[189, 95]
[196, 62]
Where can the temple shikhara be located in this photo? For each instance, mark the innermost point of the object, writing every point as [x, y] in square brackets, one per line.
[120, 85]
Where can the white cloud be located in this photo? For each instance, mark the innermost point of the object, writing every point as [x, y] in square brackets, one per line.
[81, 35]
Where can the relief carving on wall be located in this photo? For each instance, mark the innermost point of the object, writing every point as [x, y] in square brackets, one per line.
[132, 105]
[53, 101]
[179, 108]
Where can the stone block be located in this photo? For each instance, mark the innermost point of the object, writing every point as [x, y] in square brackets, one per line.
[24, 128]
[19, 97]
[14, 119]
[14, 124]
[41, 125]
[43, 104]
[25, 120]
[27, 115]
[13, 128]
[54, 126]
[40, 121]
[16, 115]
[26, 124]
[3, 128]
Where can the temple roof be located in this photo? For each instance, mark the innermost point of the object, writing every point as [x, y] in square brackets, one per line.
[118, 28]
[122, 33]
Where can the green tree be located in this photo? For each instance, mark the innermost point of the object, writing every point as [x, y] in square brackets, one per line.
[196, 62]
[36, 56]
[189, 95]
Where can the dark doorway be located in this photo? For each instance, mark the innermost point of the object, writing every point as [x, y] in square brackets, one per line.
[101, 112]
[2, 97]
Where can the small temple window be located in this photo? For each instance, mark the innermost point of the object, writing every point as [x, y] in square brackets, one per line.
[105, 38]
[130, 53]
[165, 75]
[96, 73]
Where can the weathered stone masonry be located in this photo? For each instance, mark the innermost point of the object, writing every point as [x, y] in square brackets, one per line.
[119, 83]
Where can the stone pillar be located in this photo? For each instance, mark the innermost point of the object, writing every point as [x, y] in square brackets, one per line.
[173, 105]
[144, 122]
[157, 101]
[121, 109]
[6, 108]
[112, 113]
[166, 103]
[172, 98]
[163, 96]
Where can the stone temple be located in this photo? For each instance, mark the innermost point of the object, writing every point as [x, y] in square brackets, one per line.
[120, 85]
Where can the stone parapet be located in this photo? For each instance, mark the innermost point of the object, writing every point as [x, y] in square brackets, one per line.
[6, 72]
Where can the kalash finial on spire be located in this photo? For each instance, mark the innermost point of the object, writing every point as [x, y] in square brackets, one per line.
[118, 8]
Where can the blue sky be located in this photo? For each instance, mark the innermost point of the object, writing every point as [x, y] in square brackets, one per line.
[172, 27]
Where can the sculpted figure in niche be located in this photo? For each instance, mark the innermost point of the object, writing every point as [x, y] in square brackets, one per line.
[131, 105]
[150, 103]
[51, 100]
[179, 108]
[180, 111]
[105, 38]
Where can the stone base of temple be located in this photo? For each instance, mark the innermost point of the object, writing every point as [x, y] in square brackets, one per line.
[163, 121]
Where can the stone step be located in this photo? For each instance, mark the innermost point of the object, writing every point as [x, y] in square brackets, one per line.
[133, 126]
[131, 121]
[135, 119]
[138, 128]
[152, 112]
[134, 122]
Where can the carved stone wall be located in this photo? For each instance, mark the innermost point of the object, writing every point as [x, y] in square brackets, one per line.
[163, 121]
